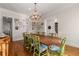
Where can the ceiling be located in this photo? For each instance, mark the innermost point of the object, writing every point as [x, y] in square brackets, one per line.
[27, 8]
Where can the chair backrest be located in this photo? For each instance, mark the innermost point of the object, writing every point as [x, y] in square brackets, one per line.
[36, 45]
[41, 33]
[26, 39]
[62, 47]
[30, 39]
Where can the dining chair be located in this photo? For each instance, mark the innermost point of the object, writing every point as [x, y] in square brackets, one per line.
[41, 33]
[39, 49]
[55, 50]
[31, 43]
[26, 41]
[25, 38]
[62, 47]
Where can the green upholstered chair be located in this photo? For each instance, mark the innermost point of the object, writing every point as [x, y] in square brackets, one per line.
[56, 50]
[39, 49]
[31, 44]
[27, 41]
[62, 47]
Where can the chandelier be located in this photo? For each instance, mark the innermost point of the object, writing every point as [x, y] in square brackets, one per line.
[35, 15]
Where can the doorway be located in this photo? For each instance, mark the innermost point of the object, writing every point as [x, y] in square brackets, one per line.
[7, 26]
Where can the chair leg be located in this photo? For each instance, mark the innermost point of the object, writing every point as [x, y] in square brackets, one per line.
[48, 52]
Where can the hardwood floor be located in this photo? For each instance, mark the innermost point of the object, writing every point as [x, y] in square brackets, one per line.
[16, 49]
[71, 51]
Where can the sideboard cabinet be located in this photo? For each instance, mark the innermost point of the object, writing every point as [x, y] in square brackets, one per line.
[4, 45]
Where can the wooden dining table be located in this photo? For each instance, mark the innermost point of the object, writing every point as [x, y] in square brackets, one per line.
[48, 40]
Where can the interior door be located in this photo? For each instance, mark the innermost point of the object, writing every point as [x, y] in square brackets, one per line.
[7, 26]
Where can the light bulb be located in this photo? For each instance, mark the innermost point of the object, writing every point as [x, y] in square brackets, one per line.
[56, 20]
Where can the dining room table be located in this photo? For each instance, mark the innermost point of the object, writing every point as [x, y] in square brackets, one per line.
[49, 40]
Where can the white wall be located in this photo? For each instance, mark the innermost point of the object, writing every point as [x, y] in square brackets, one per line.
[49, 21]
[17, 34]
[69, 24]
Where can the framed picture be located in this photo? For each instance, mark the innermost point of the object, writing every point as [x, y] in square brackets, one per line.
[49, 27]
